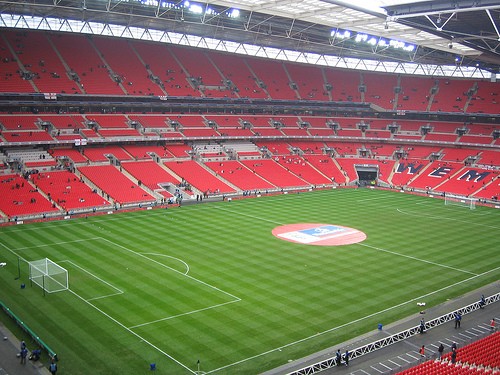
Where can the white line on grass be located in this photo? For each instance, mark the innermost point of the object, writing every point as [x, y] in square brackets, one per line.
[419, 298]
[376, 198]
[468, 222]
[170, 268]
[183, 314]
[168, 256]
[56, 243]
[96, 277]
[115, 321]
[415, 258]
[133, 333]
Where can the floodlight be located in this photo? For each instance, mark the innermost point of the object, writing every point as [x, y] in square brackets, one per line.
[235, 13]
[195, 8]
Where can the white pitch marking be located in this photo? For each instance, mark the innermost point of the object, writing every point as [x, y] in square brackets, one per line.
[168, 256]
[417, 259]
[133, 333]
[411, 301]
[183, 314]
[170, 268]
[419, 214]
[56, 243]
[98, 278]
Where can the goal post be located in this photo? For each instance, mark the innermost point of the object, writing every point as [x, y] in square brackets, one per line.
[459, 200]
[48, 275]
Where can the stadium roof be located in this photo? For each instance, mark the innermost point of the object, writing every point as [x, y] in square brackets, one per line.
[462, 33]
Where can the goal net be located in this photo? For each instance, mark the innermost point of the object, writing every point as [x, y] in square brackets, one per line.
[457, 200]
[48, 275]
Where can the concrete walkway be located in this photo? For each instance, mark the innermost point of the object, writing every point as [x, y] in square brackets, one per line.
[10, 364]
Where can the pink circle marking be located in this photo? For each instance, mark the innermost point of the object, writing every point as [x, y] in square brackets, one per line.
[319, 234]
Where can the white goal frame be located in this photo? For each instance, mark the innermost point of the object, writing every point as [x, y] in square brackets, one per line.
[460, 200]
[48, 275]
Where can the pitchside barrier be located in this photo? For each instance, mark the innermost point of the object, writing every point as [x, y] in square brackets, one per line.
[28, 330]
[393, 339]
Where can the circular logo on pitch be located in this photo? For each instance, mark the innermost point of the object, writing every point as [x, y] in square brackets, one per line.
[319, 234]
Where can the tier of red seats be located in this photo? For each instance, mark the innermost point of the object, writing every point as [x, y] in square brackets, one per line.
[19, 122]
[479, 357]
[457, 154]
[37, 56]
[20, 198]
[235, 132]
[267, 132]
[301, 168]
[98, 154]
[328, 167]
[378, 134]
[115, 184]
[200, 132]
[380, 89]
[480, 129]
[197, 176]
[309, 81]
[485, 140]
[490, 157]
[308, 147]
[274, 173]
[67, 190]
[485, 100]
[321, 132]
[11, 79]
[274, 77]
[468, 181]
[345, 84]
[407, 169]
[142, 152]
[109, 121]
[379, 149]
[295, 132]
[125, 63]
[150, 173]
[275, 148]
[27, 136]
[71, 153]
[144, 68]
[441, 137]
[344, 149]
[451, 95]
[436, 174]
[415, 93]
[111, 133]
[151, 121]
[198, 65]
[235, 69]
[239, 175]
[163, 65]
[64, 122]
[79, 53]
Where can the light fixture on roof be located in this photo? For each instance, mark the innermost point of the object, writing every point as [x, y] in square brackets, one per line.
[438, 21]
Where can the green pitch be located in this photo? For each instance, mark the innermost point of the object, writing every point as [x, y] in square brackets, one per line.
[209, 282]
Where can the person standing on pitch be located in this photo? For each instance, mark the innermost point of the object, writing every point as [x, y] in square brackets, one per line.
[441, 350]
